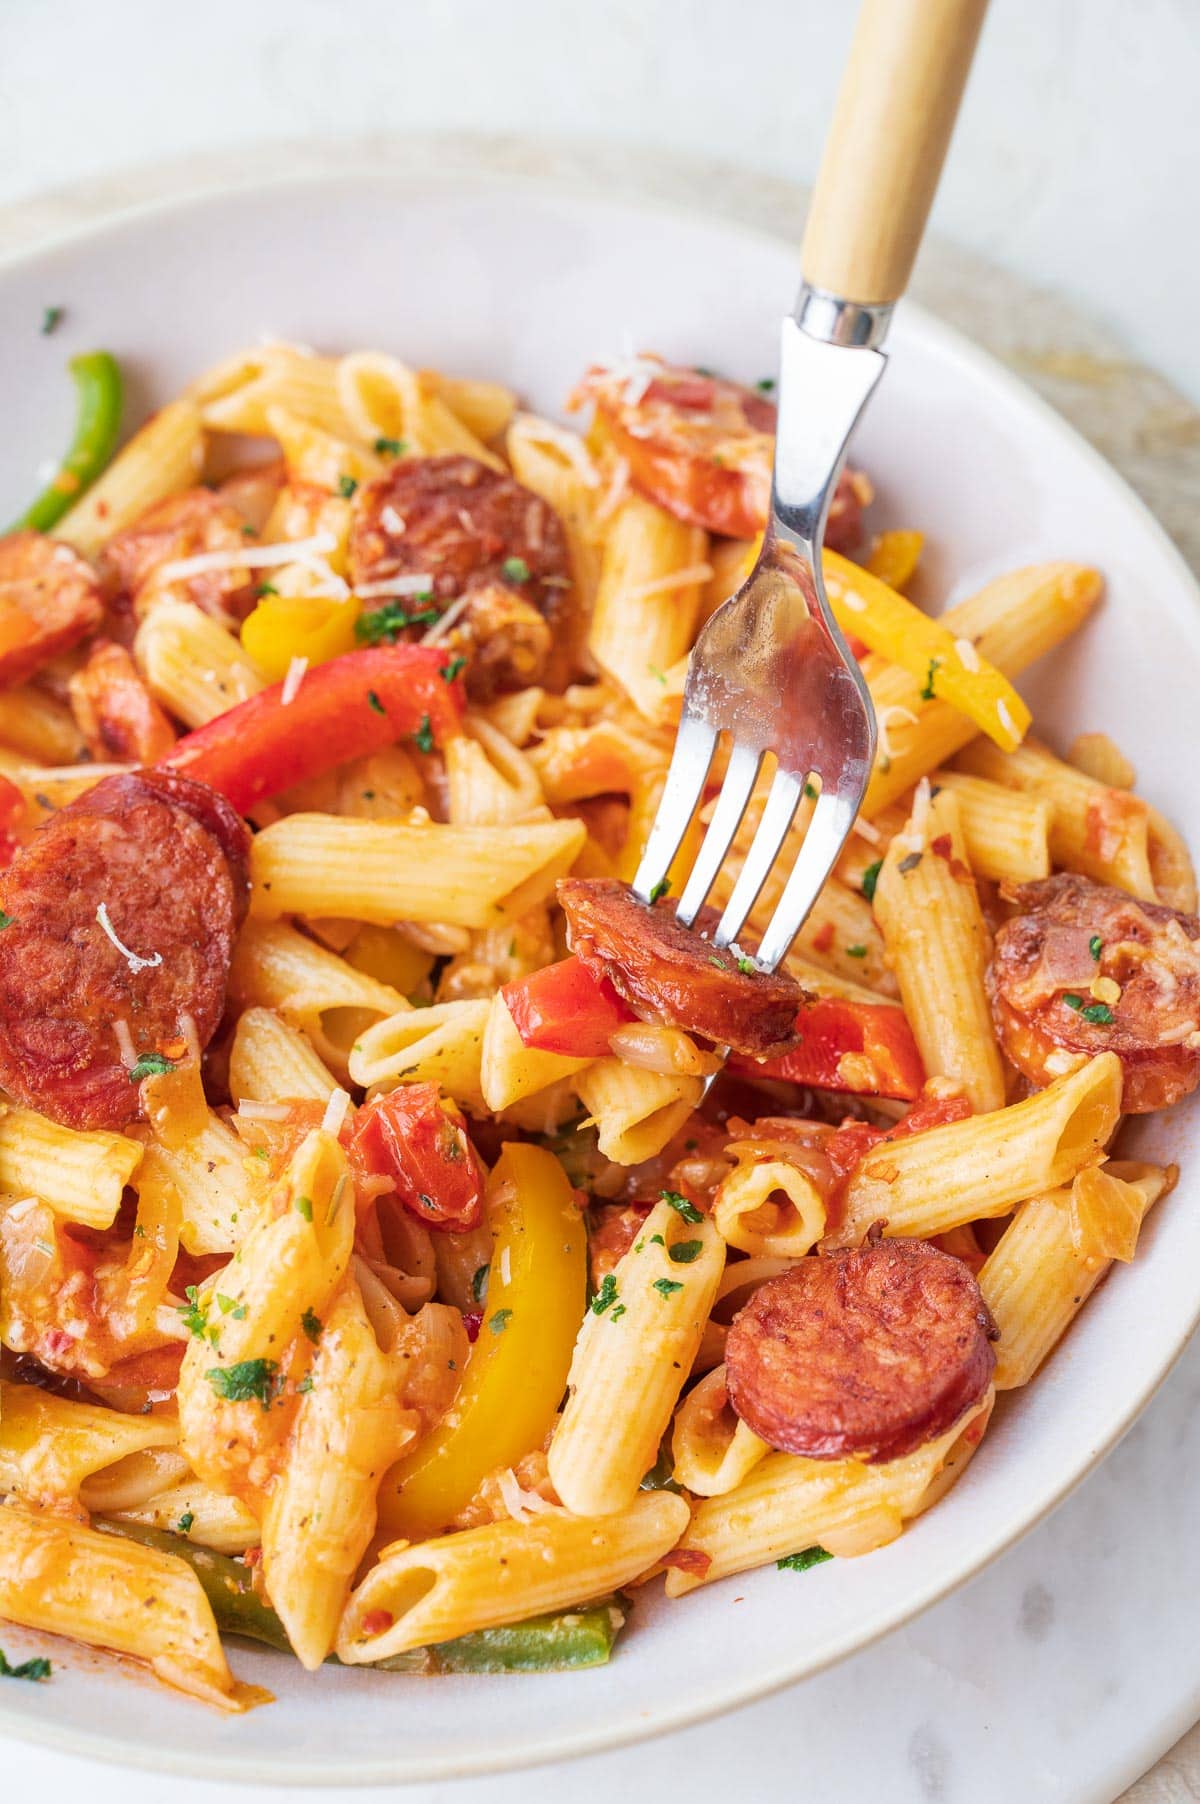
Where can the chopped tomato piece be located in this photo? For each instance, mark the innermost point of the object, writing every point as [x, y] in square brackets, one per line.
[863, 1047]
[563, 1008]
[12, 807]
[420, 1144]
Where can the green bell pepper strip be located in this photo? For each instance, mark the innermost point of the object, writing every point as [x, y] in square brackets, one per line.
[97, 424]
[553, 1643]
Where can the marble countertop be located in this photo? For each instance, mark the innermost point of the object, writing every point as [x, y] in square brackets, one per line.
[1037, 1678]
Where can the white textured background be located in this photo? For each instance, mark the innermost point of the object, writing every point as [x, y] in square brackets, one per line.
[1077, 162]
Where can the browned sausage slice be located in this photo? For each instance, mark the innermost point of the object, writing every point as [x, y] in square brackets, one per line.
[182, 526]
[702, 448]
[165, 859]
[1084, 968]
[472, 532]
[49, 600]
[865, 1353]
[667, 973]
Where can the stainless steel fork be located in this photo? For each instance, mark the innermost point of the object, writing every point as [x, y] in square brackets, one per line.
[771, 669]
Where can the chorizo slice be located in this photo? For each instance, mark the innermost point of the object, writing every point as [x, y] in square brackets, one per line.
[863, 1354]
[702, 448]
[114, 710]
[478, 534]
[151, 860]
[181, 526]
[668, 974]
[49, 601]
[1083, 968]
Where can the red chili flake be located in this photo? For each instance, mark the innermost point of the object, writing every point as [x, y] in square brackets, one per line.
[690, 1560]
[473, 1322]
[823, 937]
[943, 846]
[375, 1622]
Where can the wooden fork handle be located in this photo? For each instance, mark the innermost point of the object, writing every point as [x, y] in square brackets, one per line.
[891, 127]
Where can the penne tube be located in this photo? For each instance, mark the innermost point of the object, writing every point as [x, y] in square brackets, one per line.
[441, 1045]
[1006, 832]
[134, 1479]
[634, 1351]
[328, 999]
[768, 1207]
[192, 664]
[51, 1446]
[509, 1070]
[1011, 622]
[787, 1504]
[504, 1572]
[163, 457]
[485, 408]
[325, 459]
[1036, 1279]
[975, 1169]
[321, 864]
[490, 782]
[220, 1191]
[81, 1175]
[40, 726]
[636, 1112]
[712, 1449]
[237, 396]
[270, 1060]
[556, 465]
[647, 601]
[198, 1511]
[57, 1576]
[939, 946]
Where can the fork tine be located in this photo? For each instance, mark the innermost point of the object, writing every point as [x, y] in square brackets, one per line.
[777, 817]
[832, 819]
[731, 805]
[693, 755]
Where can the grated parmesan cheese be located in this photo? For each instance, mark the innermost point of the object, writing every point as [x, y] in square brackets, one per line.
[132, 959]
[662, 585]
[444, 622]
[884, 720]
[392, 520]
[421, 584]
[1006, 719]
[124, 1041]
[247, 557]
[505, 1267]
[866, 831]
[851, 599]
[292, 681]
[263, 1111]
[521, 1505]
[335, 1113]
[569, 444]
[968, 657]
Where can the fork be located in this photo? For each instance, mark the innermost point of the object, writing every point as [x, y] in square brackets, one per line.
[771, 669]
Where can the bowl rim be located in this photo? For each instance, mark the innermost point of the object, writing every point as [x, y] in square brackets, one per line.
[952, 345]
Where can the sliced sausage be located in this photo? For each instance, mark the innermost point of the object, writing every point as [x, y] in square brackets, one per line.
[667, 973]
[702, 448]
[166, 859]
[865, 1353]
[115, 711]
[612, 1229]
[49, 600]
[476, 533]
[1083, 968]
[182, 526]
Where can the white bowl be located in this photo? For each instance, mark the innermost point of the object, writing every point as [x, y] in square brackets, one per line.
[530, 284]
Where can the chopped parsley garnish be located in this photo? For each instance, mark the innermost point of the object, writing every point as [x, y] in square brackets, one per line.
[909, 864]
[266, 589]
[260, 1152]
[870, 878]
[51, 320]
[248, 531]
[606, 1296]
[656, 1240]
[423, 737]
[666, 1287]
[713, 959]
[304, 1207]
[37, 1668]
[499, 1322]
[516, 569]
[661, 888]
[383, 625]
[6, 920]
[747, 967]
[390, 447]
[856, 952]
[449, 671]
[194, 1318]
[249, 1379]
[617, 1313]
[1098, 1013]
[765, 384]
[927, 691]
[305, 1385]
[185, 1521]
[810, 789]
[660, 676]
[311, 1325]
[1095, 945]
[231, 1306]
[150, 1064]
[681, 1206]
[685, 1252]
[479, 1282]
[373, 701]
[800, 1562]
[346, 486]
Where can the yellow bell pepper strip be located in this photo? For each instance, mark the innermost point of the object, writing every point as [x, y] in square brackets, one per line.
[97, 423]
[894, 557]
[949, 669]
[285, 627]
[514, 1383]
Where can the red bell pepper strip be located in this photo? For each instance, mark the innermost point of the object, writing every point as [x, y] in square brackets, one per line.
[563, 1008]
[832, 1026]
[410, 1138]
[353, 705]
